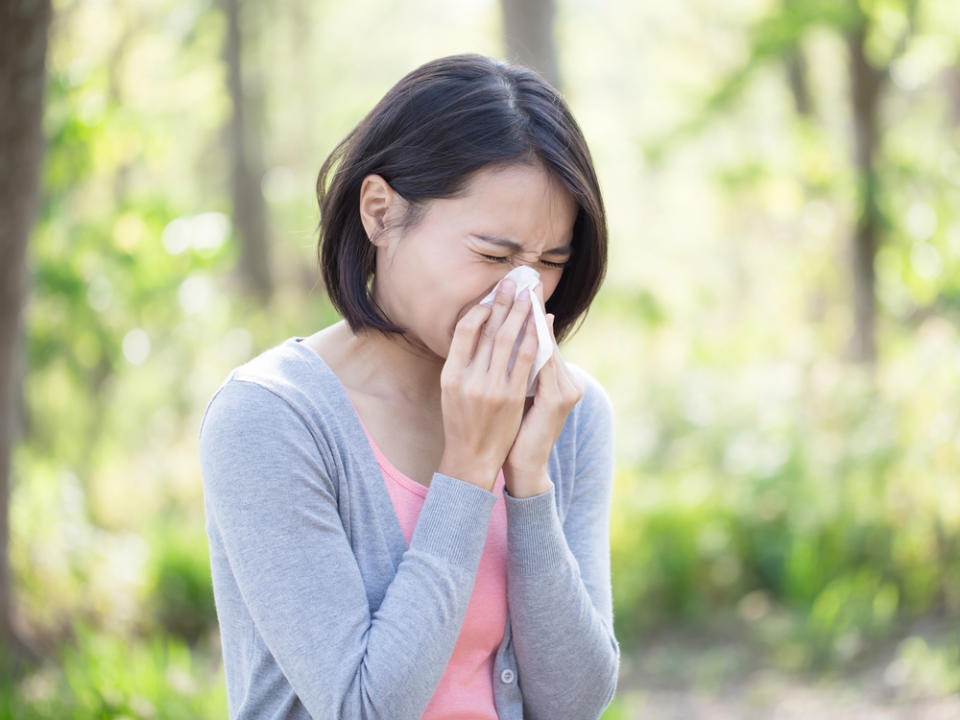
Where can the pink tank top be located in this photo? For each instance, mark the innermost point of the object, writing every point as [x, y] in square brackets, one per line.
[466, 688]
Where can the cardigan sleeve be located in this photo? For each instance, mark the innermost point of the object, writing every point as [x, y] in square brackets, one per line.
[558, 580]
[274, 503]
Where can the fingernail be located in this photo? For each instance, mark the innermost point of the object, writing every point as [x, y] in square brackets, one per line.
[506, 287]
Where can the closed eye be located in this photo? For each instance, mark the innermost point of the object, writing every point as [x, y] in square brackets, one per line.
[500, 259]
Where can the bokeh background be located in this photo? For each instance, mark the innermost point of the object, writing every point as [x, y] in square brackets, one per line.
[777, 330]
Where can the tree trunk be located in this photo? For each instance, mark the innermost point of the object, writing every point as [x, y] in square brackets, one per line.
[528, 36]
[797, 78]
[249, 208]
[952, 87]
[23, 51]
[796, 67]
[865, 86]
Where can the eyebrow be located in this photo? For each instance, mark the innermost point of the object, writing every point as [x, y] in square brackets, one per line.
[516, 247]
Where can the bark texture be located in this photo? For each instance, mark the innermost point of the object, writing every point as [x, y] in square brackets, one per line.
[249, 208]
[529, 38]
[23, 50]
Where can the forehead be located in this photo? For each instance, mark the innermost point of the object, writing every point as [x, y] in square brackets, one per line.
[528, 186]
[518, 199]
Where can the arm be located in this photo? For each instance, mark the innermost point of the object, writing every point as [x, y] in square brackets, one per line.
[559, 581]
[274, 503]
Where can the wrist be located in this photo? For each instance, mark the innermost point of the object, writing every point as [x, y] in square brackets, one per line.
[526, 483]
[472, 472]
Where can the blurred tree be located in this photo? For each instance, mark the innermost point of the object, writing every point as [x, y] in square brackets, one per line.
[528, 36]
[797, 77]
[868, 79]
[865, 90]
[246, 150]
[23, 51]
[777, 37]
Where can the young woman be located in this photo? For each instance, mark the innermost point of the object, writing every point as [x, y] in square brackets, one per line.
[396, 530]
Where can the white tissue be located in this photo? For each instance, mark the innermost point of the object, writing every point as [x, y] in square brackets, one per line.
[524, 277]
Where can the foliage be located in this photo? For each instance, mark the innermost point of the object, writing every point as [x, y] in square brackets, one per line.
[103, 675]
[180, 586]
[807, 499]
[758, 474]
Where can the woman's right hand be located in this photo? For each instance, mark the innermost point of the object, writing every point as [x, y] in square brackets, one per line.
[482, 405]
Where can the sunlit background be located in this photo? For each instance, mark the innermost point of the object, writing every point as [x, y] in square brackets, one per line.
[777, 332]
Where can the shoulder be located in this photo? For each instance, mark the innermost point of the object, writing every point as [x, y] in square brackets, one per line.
[585, 448]
[590, 425]
[284, 387]
[595, 403]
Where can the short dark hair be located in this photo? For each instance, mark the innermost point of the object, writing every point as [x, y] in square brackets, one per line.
[441, 123]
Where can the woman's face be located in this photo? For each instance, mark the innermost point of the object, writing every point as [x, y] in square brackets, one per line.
[428, 277]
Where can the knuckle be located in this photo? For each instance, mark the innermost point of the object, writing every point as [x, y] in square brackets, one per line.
[500, 397]
[469, 324]
[522, 304]
[475, 316]
[527, 352]
[504, 335]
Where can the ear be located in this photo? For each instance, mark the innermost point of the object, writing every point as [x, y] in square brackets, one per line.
[379, 206]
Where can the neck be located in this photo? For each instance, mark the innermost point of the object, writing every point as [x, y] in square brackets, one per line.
[393, 367]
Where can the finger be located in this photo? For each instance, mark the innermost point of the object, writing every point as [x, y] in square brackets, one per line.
[565, 381]
[508, 333]
[502, 302]
[561, 367]
[553, 335]
[538, 289]
[570, 388]
[549, 375]
[526, 354]
[567, 384]
[546, 390]
[465, 336]
[538, 297]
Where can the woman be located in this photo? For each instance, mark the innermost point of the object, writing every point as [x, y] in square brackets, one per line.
[395, 530]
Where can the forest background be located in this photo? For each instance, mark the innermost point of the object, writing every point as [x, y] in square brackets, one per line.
[777, 330]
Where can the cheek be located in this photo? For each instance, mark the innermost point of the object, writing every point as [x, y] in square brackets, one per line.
[550, 286]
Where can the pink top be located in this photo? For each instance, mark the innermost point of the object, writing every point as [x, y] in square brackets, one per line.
[466, 688]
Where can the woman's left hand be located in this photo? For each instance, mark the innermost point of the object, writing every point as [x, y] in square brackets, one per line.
[525, 468]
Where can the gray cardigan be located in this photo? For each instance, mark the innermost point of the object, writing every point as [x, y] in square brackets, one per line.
[324, 610]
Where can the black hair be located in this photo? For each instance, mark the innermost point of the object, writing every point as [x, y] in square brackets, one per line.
[427, 136]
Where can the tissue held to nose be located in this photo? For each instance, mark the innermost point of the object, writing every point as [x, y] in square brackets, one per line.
[526, 277]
